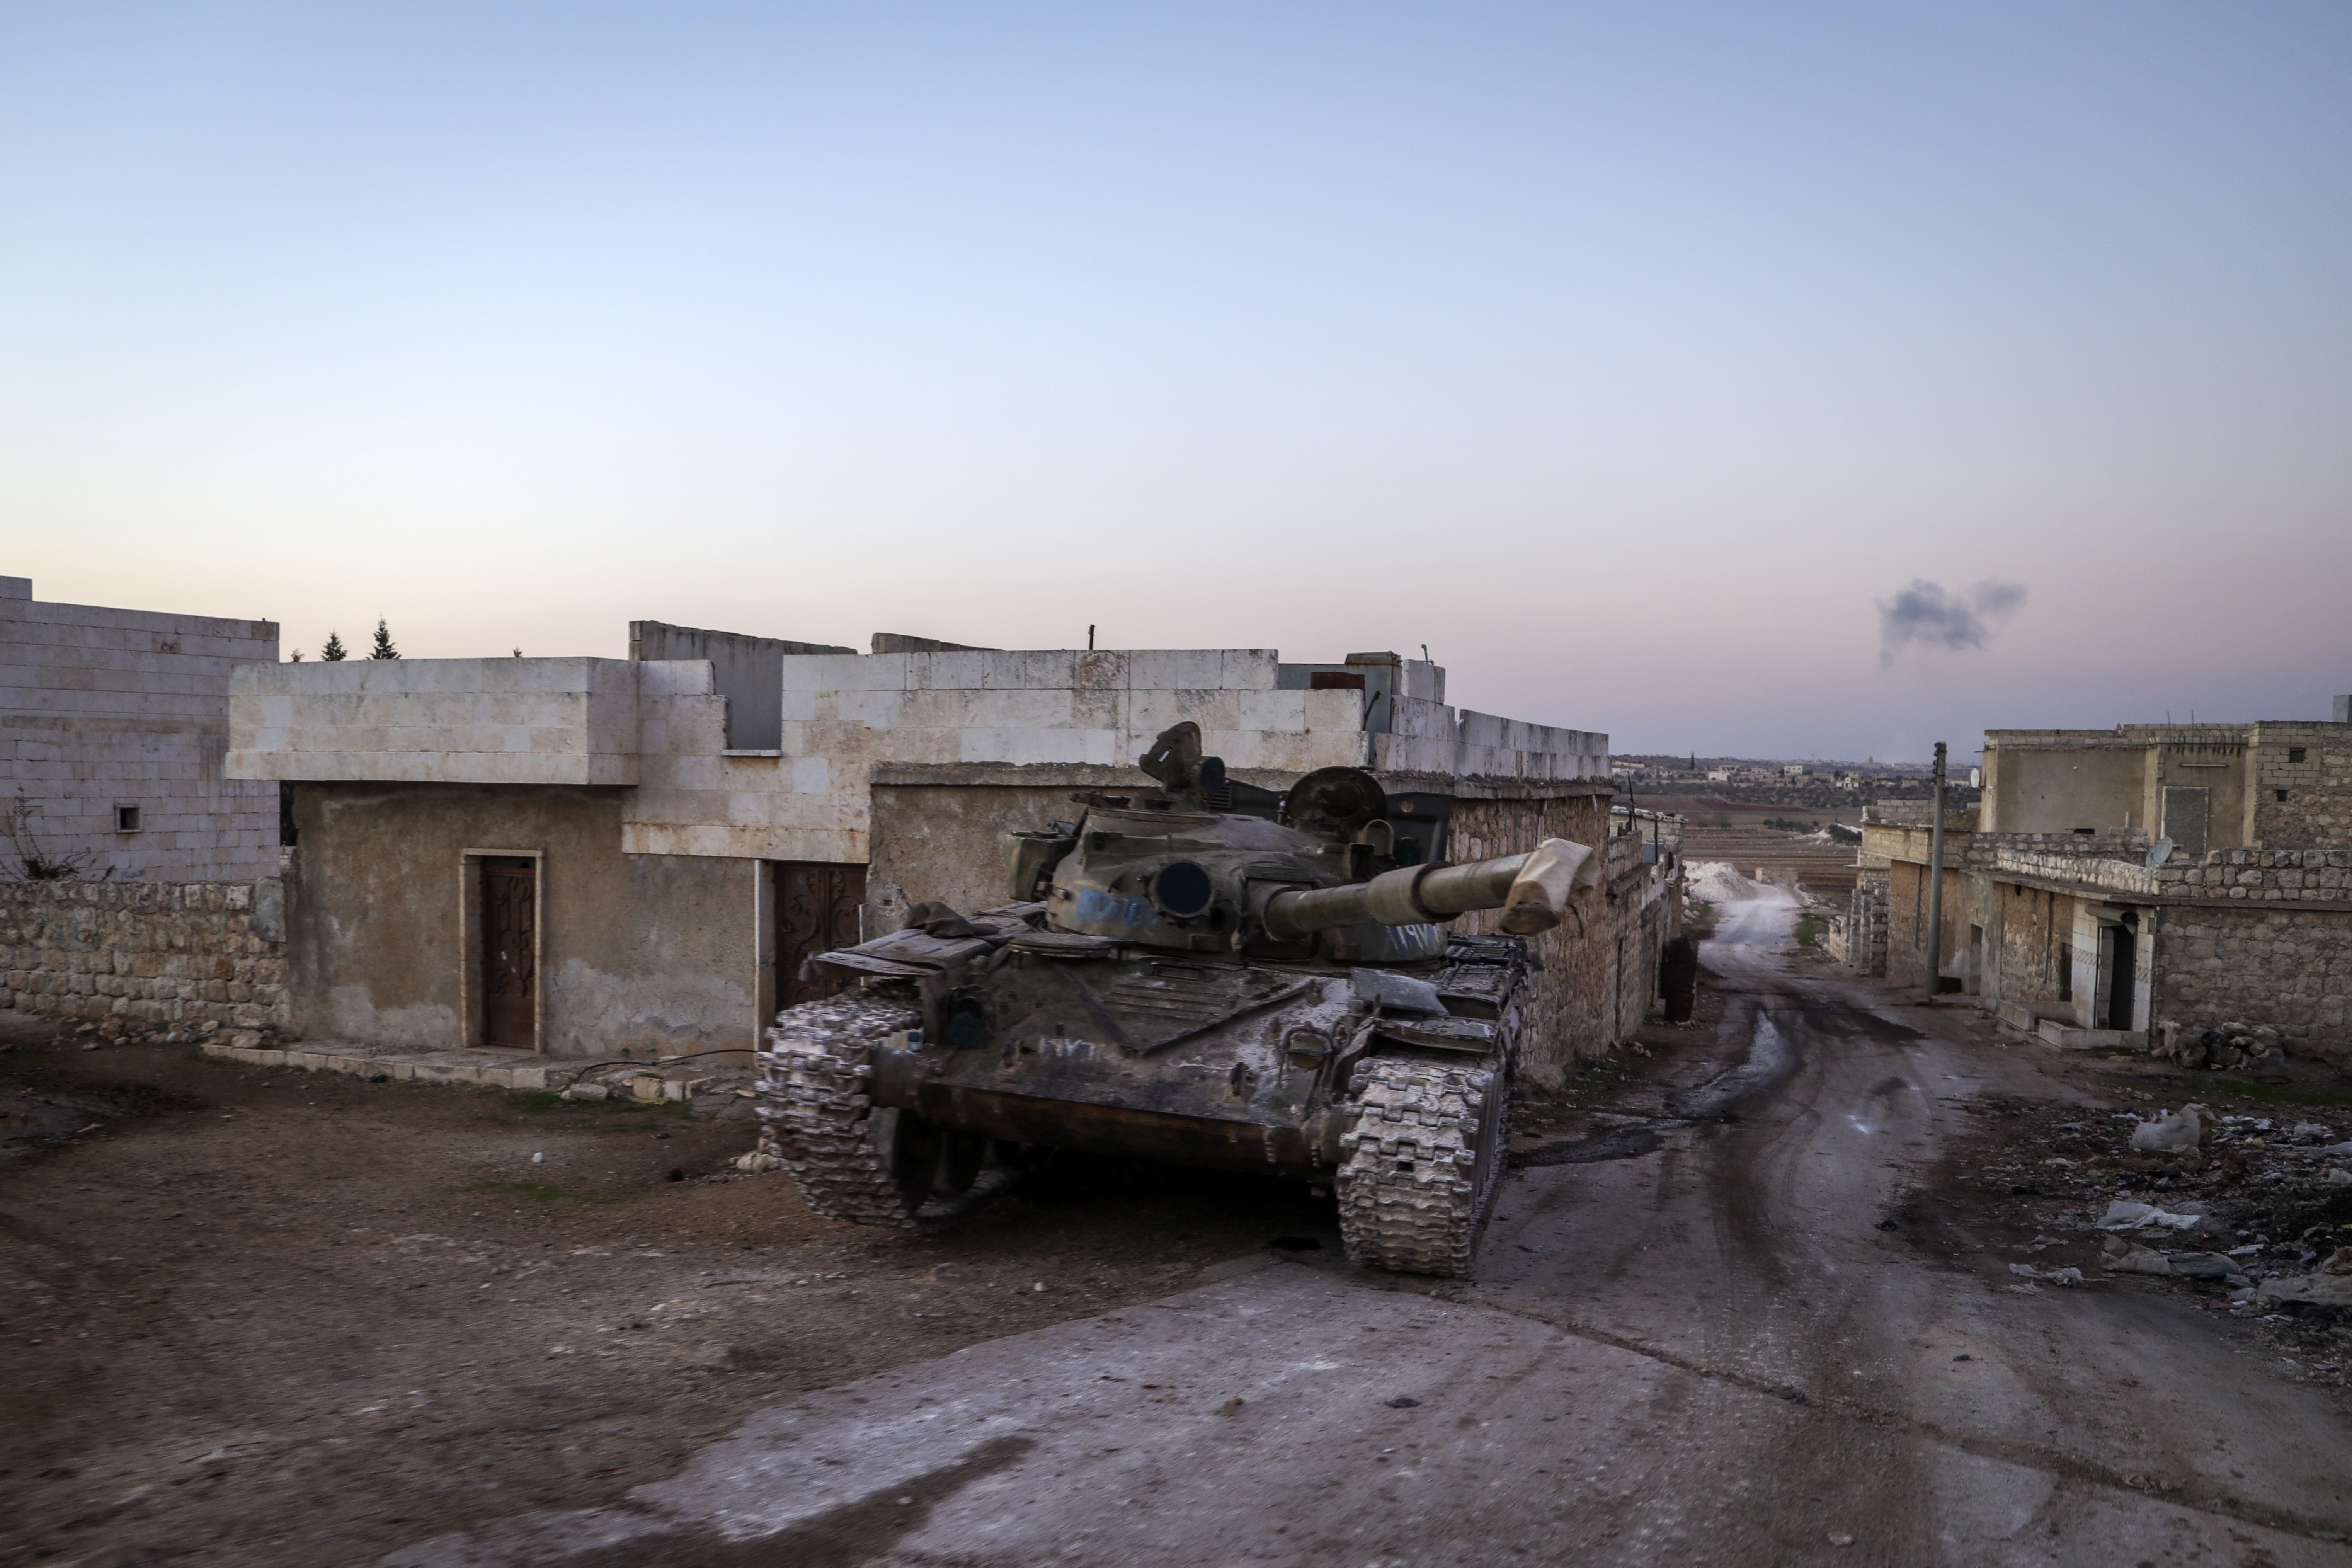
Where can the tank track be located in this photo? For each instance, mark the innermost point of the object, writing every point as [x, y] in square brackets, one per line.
[814, 1113]
[1416, 1176]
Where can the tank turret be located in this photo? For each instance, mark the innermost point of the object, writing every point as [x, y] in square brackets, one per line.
[1306, 873]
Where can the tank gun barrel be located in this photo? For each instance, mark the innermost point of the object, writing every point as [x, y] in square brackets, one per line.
[1532, 890]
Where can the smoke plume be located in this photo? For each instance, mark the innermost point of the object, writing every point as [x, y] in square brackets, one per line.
[1926, 613]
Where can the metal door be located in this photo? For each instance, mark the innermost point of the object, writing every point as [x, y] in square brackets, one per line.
[816, 910]
[509, 952]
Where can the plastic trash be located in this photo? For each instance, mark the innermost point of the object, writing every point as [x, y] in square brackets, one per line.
[2069, 1276]
[2178, 1133]
[2126, 1215]
[2129, 1258]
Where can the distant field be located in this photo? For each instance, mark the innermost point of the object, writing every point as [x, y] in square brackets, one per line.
[1736, 831]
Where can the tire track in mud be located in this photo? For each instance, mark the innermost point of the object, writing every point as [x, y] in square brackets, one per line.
[1773, 1056]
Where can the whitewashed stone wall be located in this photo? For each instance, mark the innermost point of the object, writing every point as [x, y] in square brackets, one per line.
[660, 726]
[104, 708]
[451, 720]
[1430, 737]
[845, 712]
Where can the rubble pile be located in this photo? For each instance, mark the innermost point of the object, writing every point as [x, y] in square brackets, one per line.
[1717, 882]
[120, 1031]
[2251, 1212]
[2226, 1045]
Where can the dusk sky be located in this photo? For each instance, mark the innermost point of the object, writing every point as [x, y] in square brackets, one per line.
[1800, 380]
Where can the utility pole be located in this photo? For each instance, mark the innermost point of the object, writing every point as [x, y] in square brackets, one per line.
[1935, 885]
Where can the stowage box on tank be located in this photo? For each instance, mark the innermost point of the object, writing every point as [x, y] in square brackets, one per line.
[1208, 973]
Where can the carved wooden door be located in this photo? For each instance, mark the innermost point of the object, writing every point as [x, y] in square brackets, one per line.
[509, 952]
[816, 911]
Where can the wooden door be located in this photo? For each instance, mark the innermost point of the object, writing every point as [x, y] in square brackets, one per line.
[509, 952]
[816, 911]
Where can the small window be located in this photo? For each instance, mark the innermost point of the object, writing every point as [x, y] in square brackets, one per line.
[2295, 754]
[126, 819]
[2280, 793]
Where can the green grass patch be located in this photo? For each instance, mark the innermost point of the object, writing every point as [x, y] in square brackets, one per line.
[1809, 931]
[539, 1192]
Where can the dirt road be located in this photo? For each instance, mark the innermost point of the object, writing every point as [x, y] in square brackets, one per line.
[1706, 1351]
[279, 1320]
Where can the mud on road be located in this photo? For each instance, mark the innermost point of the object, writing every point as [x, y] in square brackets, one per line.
[280, 1318]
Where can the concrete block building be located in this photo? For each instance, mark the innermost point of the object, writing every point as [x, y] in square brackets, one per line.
[114, 734]
[585, 856]
[2124, 886]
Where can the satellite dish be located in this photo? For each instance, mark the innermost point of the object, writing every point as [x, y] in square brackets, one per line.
[2158, 853]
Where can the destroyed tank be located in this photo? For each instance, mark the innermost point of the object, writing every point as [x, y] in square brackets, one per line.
[1207, 972]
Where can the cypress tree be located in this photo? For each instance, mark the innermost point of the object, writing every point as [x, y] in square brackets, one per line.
[384, 648]
[334, 648]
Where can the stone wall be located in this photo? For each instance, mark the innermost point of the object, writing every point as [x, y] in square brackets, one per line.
[2257, 875]
[1862, 929]
[1601, 966]
[2035, 954]
[144, 956]
[453, 720]
[2311, 766]
[2286, 967]
[1907, 920]
[104, 709]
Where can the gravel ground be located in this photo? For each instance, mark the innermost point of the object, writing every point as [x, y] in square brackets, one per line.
[2031, 1186]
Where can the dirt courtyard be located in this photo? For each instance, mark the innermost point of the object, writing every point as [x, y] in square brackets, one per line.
[281, 1318]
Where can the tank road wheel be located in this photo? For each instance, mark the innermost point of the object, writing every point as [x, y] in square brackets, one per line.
[1422, 1163]
[815, 1113]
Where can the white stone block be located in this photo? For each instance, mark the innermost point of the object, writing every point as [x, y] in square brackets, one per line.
[1275, 709]
[1032, 668]
[874, 709]
[823, 672]
[946, 672]
[1249, 669]
[1332, 709]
